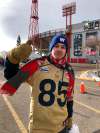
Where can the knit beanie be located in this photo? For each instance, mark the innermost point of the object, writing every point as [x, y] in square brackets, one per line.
[59, 38]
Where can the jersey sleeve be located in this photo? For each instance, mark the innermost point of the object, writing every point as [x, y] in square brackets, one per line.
[10, 69]
[70, 89]
[15, 76]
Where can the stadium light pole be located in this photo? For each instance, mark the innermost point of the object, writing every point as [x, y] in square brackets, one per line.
[68, 10]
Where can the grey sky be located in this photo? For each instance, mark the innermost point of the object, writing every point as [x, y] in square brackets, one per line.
[15, 15]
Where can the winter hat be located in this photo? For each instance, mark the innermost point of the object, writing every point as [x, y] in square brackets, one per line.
[59, 38]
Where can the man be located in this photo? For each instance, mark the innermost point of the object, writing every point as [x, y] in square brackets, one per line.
[52, 82]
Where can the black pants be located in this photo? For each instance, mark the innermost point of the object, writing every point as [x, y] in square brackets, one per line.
[65, 130]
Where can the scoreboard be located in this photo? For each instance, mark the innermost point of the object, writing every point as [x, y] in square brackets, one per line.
[91, 25]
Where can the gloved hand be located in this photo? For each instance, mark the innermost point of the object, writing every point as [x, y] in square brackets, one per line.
[29, 42]
[69, 122]
[20, 53]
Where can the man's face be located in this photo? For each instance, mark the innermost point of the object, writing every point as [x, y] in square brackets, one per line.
[59, 51]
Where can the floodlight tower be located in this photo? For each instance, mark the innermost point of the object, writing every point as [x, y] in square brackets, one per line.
[68, 10]
[33, 26]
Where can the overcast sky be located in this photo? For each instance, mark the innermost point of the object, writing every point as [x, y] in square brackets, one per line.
[14, 17]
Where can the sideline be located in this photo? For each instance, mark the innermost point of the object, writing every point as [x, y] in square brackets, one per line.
[88, 107]
[15, 116]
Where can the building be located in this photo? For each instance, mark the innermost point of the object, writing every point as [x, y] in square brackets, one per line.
[85, 45]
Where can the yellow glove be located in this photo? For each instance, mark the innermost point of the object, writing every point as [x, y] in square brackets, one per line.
[20, 53]
[69, 123]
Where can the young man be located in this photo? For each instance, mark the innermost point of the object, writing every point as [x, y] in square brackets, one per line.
[51, 106]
